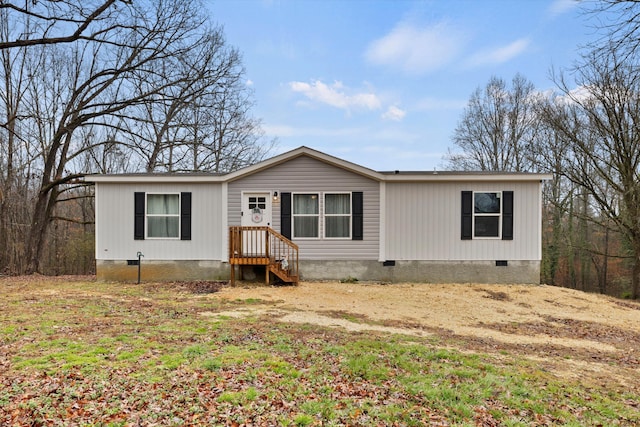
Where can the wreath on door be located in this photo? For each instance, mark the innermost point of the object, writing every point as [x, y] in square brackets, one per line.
[256, 215]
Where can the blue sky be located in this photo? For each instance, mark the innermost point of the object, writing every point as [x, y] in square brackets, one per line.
[384, 83]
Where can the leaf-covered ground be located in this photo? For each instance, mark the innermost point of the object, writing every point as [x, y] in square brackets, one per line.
[76, 352]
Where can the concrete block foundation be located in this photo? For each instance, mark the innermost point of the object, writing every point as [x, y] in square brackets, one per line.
[523, 272]
[161, 271]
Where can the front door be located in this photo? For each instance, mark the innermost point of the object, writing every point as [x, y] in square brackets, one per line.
[256, 212]
[256, 209]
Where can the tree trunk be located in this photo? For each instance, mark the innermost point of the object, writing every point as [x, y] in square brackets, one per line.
[571, 252]
[38, 231]
[635, 277]
[605, 267]
[585, 261]
[6, 195]
[635, 270]
[4, 230]
[553, 251]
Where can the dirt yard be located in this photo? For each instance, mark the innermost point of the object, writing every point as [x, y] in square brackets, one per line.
[576, 334]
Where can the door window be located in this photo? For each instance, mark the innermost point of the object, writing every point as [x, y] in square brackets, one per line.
[257, 202]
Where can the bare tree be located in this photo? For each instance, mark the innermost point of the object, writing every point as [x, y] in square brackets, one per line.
[203, 123]
[136, 42]
[224, 136]
[498, 128]
[107, 155]
[158, 131]
[123, 80]
[16, 155]
[557, 196]
[618, 22]
[43, 22]
[598, 124]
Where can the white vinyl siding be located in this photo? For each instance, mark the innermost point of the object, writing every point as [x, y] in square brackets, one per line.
[115, 227]
[423, 222]
[306, 175]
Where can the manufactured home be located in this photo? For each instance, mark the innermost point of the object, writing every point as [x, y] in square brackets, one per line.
[306, 215]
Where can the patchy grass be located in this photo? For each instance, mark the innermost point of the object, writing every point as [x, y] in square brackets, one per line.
[83, 353]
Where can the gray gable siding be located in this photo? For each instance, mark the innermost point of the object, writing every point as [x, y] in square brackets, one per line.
[307, 175]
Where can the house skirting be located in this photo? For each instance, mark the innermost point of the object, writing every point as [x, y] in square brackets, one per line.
[499, 271]
[424, 271]
[161, 271]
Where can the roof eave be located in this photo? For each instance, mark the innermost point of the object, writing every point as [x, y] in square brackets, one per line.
[452, 177]
[168, 178]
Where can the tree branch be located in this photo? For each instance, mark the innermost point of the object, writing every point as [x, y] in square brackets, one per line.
[73, 220]
[76, 35]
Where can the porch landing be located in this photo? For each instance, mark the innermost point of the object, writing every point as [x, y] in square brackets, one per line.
[263, 246]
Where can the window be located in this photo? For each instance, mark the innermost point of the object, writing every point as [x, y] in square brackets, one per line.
[486, 214]
[258, 202]
[306, 215]
[163, 216]
[337, 215]
[342, 215]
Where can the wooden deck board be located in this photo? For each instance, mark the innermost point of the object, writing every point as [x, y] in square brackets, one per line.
[250, 261]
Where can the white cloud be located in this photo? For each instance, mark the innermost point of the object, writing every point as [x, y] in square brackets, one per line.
[501, 54]
[278, 130]
[249, 82]
[582, 93]
[393, 113]
[579, 94]
[558, 7]
[414, 49]
[336, 95]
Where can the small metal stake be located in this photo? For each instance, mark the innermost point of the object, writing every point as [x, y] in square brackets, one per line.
[139, 255]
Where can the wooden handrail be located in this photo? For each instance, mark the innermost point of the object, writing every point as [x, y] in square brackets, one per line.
[263, 246]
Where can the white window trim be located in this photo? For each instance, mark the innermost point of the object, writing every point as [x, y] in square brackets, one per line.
[318, 215]
[325, 215]
[147, 215]
[473, 218]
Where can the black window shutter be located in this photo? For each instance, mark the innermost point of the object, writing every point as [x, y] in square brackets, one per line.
[185, 216]
[285, 215]
[357, 229]
[138, 219]
[467, 215]
[507, 215]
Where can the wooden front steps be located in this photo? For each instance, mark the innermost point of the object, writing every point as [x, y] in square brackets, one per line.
[263, 246]
[284, 274]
